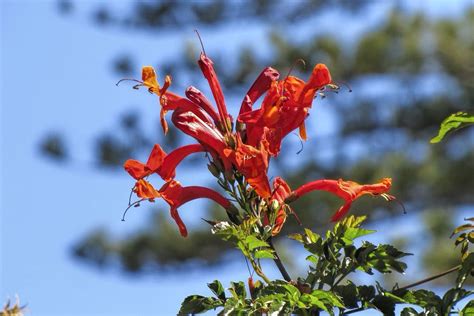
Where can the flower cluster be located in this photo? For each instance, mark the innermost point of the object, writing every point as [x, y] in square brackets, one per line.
[239, 151]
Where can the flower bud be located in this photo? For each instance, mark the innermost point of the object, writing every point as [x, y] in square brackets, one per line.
[240, 127]
[274, 206]
[229, 123]
[213, 169]
[229, 139]
[218, 165]
[229, 176]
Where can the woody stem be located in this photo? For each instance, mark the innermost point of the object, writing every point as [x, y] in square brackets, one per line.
[279, 263]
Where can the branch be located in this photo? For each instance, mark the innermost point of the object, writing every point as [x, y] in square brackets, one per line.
[278, 262]
[406, 287]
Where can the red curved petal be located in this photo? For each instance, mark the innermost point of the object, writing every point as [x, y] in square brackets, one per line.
[259, 87]
[207, 68]
[171, 161]
[198, 98]
[135, 168]
[156, 158]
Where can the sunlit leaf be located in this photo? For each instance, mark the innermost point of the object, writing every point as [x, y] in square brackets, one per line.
[452, 122]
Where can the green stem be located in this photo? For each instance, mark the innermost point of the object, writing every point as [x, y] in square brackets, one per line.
[278, 262]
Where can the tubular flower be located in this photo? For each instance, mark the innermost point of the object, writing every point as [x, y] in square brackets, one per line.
[346, 190]
[252, 163]
[284, 108]
[176, 195]
[149, 80]
[207, 68]
[161, 163]
[242, 154]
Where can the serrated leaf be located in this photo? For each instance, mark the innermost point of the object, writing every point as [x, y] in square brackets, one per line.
[198, 304]
[352, 233]
[313, 259]
[312, 301]
[462, 228]
[348, 294]
[468, 310]
[452, 122]
[311, 236]
[409, 311]
[423, 298]
[385, 304]
[238, 288]
[297, 237]
[217, 288]
[253, 242]
[467, 267]
[264, 254]
[328, 297]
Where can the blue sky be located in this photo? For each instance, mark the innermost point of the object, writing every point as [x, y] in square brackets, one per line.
[56, 74]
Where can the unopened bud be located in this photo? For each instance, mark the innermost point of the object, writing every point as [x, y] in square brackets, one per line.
[240, 127]
[229, 123]
[213, 169]
[229, 176]
[218, 165]
[274, 206]
[229, 139]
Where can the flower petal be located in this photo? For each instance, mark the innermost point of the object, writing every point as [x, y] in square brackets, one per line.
[207, 68]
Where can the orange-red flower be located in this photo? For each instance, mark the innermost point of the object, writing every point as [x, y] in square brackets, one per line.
[161, 163]
[281, 190]
[252, 163]
[284, 108]
[346, 190]
[176, 195]
[207, 68]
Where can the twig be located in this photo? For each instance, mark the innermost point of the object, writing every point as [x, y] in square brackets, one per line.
[406, 287]
[278, 262]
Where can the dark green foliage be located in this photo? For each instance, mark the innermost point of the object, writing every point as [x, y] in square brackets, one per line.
[333, 258]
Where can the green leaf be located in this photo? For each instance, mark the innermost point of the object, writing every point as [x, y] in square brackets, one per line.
[452, 122]
[328, 297]
[312, 301]
[262, 254]
[422, 298]
[352, 233]
[217, 288]
[385, 304]
[238, 289]
[468, 309]
[297, 237]
[253, 242]
[198, 304]
[311, 237]
[409, 311]
[467, 267]
[348, 294]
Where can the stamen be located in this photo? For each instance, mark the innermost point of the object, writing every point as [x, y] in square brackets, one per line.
[301, 60]
[301, 143]
[129, 79]
[200, 40]
[134, 204]
[391, 198]
[345, 84]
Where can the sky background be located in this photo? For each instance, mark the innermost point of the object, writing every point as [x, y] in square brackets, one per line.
[56, 74]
